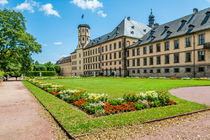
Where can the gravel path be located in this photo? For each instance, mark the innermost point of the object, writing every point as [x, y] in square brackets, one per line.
[196, 94]
[22, 117]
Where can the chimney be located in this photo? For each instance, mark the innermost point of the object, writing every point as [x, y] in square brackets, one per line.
[155, 25]
[128, 18]
[195, 10]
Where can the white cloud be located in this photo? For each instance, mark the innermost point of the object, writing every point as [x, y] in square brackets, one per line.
[27, 5]
[58, 43]
[101, 13]
[3, 2]
[88, 4]
[208, 1]
[48, 10]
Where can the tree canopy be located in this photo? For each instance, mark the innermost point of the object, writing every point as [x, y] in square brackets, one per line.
[16, 45]
[49, 66]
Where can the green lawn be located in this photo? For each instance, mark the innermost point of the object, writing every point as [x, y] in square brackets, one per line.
[116, 87]
[78, 122]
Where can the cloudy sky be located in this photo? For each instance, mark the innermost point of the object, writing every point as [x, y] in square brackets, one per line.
[54, 22]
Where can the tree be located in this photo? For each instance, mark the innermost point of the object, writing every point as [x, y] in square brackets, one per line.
[16, 45]
[57, 68]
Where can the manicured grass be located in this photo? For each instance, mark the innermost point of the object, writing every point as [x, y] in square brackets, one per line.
[78, 122]
[116, 87]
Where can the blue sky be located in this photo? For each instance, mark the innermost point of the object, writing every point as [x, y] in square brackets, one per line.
[54, 22]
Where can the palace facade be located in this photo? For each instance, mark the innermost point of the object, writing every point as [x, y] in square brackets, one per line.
[180, 48]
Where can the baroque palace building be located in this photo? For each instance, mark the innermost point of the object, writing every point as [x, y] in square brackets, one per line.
[180, 48]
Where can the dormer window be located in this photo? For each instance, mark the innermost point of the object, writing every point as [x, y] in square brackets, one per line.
[190, 28]
[132, 32]
[152, 38]
[168, 34]
[133, 27]
[182, 25]
[165, 30]
[206, 18]
[190, 18]
[144, 30]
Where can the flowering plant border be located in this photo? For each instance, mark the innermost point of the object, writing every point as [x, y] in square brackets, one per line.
[100, 104]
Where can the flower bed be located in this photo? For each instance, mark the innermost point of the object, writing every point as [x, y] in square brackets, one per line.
[100, 104]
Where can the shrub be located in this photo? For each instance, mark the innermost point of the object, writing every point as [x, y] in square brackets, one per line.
[44, 73]
[139, 106]
[118, 101]
[1, 74]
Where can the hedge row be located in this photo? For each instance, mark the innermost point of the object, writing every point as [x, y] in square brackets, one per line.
[43, 73]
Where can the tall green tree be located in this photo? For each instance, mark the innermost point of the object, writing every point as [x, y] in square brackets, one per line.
[16, 45]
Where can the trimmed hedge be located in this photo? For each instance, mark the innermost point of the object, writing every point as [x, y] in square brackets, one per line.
[44, 73]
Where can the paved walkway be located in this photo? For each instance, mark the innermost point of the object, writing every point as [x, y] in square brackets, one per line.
[21, 116]
[196, 94]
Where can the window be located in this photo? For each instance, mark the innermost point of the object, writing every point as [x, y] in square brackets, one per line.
[176, 70]
[206, 18]
[127, 53]
[138, 62]
[167, 70]
[176, 58]
[133, 52]
[176, 44]
[106, 48]
[133, 71]
[115, 55]
[182, 25]
[119, 62]
[119, 54]
[145, 71]
[145, 61]
[158, 71]
[110, 63]
[201, 39]
[188, 70]
[151, 60]
[188, 41]
[133, 62]
[158, 60]
[138, 71]
[151, 71]
[115, 46]
[96, 50]
[165, 29]
[99, 50]
[102, 48]
[145, 50]
[110, 56]
[150, 49]
[201, 69]
[115, 62]
[166, 46]
[106, 56]
[201, 55]
[110, 47]
[158, 47]
[119, 44]
[167, 59]
[188, 57]
[128, 63]
[138, 51]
